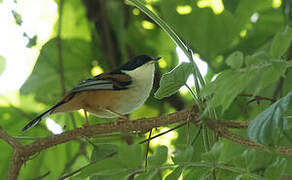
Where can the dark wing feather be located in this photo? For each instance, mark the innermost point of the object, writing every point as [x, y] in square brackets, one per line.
[106, 81]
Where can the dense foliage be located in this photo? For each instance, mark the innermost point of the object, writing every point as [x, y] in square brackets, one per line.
[247, 46]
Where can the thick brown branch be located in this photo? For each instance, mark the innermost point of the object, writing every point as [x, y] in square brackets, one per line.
[137, 125]
[9, 139]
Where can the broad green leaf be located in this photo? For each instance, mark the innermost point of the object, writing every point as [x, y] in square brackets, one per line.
[148, 175]
[2, 64]
[258, 57]
[106, 167]
[227, 86]
[281, 42]
[159, 157]
[183, 156]
[269, 124]
[276, 170]
[101, 151]
[130, 156]
[175, 174]
[173, 80]
[230, 83]
[45, 81]
[235, 60]
[214, 154]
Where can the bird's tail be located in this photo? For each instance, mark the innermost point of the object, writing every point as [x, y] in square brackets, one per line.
[35, 121]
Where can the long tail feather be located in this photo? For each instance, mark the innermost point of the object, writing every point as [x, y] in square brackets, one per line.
[35, 121]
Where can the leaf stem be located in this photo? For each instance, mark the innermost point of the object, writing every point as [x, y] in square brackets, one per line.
[187, 51]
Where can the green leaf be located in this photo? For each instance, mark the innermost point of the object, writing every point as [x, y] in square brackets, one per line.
[130, 156]
[281, 42]
[17, 17]
[45, 81]
[159, 157]
[214, 154]
[105, 167]
[182, 156]
[230, 83]
[171, 82]
[258, 57]
[235, 60]
[2, 64]
[276, 170]
[148, 175]
[101, 151]
[174, 175]
[269, 124]
[32, 41]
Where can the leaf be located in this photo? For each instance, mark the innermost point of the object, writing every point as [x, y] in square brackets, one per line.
[148, 175]
[171, 82]
[44, 80]
[269, 124]
[159, 157]
[235, 60]
[214, 154]
[230, 83]
[2, 64]
[130, 156]
[17, 17]
[182, 156]
[101, 151]
[175, 174]
[276, 170]
[105, 167]
[281, 42]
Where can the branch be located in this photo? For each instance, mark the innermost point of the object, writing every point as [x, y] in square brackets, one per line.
[22, 153]
[9, 139]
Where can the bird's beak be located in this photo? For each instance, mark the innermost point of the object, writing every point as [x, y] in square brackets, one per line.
[154, 60]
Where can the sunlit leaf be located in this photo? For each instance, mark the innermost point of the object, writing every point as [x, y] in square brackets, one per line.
[268, 125]
[17, 17]
[2, 64]
[173, 80]
[45, 79]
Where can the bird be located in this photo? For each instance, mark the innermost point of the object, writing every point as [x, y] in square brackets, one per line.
[108, 95]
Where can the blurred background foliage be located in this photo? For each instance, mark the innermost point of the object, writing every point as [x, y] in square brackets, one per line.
[232, 37]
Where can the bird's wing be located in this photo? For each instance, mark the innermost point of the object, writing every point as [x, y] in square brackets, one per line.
[105, 81]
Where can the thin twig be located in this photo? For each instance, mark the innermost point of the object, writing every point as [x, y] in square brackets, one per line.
[153, 137]
[42, 176]
[147, 148]
[59, 45]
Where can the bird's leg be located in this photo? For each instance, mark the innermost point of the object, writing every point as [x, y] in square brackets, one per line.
[116, 113]
[86, 119]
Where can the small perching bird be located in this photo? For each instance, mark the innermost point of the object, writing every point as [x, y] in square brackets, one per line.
[109, 95]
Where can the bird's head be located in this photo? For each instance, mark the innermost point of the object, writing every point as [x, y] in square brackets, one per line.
[139, 61]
